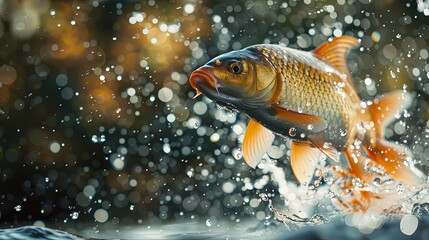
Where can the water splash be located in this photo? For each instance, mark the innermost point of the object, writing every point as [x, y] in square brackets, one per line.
[334, 194]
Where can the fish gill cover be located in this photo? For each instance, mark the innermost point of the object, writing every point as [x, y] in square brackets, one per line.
[99, 128]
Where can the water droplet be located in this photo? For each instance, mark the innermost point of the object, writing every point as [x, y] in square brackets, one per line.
[331, 194]
[74, 215]
[420, 210]
[300, 110]
[343, 132]
[237, 155]
[329, 180]
[310, 127]
[131, 207]
[208, 223]
[292, 132]
[317, 183]
[264, 197]
[392, 74]
[327, 145]
[317, 173]
[98, 139]
[302, 135]
[318, 219]
[377, 181]
[18, 208]
[400, 189]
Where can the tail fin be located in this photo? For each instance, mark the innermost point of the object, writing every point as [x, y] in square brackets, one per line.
[396, 159]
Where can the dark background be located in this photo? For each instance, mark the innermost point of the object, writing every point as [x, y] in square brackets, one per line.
[99, 116]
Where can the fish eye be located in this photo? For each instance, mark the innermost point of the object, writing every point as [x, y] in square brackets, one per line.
[236, 67]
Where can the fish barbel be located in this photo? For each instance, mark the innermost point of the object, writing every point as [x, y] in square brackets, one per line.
[310, 98]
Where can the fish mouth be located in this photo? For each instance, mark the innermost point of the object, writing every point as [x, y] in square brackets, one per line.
[201, 77]
[206, 83]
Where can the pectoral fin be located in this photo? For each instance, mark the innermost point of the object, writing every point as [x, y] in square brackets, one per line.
[309, 122]
[256, 142]
[327, 148]
[303, 159]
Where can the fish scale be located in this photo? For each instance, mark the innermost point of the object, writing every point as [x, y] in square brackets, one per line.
[307, 84]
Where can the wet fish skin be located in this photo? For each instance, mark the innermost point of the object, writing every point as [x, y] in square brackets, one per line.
[309, 97]
[311, 86]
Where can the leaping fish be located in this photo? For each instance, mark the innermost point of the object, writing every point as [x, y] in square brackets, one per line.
[308, 97]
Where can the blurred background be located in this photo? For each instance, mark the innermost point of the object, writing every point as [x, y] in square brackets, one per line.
[98, 124]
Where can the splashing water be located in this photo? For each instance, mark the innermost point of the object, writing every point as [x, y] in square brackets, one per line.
[335, 195]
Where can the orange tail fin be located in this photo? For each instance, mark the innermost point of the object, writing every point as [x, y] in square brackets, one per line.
[396, 159]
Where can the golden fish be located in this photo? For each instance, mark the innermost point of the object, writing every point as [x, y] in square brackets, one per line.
[309, 97]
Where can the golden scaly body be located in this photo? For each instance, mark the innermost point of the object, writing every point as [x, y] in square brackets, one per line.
[311, 86]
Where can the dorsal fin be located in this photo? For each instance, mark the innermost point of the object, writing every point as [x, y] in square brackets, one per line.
[334, 53]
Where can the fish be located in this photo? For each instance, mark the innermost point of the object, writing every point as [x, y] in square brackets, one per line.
[310, 98]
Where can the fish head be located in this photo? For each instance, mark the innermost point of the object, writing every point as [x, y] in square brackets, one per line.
[240, 80]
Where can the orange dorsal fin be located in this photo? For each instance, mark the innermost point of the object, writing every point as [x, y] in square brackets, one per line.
[303, 160]
[256, 142]
[309, 122]
[384, 109]
[334, 53]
